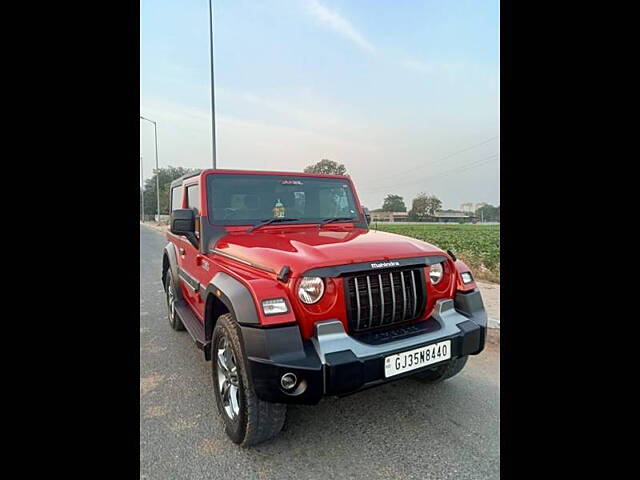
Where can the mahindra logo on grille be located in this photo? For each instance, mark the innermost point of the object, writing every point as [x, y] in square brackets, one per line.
[385, 264]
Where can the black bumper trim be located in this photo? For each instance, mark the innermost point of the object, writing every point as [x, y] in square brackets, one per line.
[273, 352]
[369, 372]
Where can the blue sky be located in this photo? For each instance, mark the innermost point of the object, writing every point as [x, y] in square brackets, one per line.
[389, 88]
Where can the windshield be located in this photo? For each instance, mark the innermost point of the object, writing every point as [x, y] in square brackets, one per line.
[250, 199]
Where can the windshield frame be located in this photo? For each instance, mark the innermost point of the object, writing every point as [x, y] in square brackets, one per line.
[359, 219]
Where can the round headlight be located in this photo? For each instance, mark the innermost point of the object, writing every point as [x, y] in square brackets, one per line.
[435, 273]
[310, 289]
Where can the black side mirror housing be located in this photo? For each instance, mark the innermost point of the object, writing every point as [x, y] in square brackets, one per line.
[182, 221]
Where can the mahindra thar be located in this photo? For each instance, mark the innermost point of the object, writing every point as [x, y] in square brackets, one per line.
[280, 281]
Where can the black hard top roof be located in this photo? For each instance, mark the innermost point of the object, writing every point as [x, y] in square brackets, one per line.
[178, 181]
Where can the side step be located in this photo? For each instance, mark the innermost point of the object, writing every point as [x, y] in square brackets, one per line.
[192, 324]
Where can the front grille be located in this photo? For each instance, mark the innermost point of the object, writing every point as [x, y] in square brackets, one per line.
[384, 298]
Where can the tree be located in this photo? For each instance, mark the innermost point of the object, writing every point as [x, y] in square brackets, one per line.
[393, 203]
[424, 206]
[326, 167]
[433, 205]
[488, 213]
[167, 175]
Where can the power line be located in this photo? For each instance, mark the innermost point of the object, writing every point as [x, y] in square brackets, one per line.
[464, 167]
[460, 168]
[440, 160]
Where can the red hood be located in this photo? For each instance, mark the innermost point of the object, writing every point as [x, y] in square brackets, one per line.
[303, 248]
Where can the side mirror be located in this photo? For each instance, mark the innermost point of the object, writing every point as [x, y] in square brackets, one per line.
[183, 221]
[367, 214]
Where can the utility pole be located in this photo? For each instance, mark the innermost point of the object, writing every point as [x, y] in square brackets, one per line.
[155, 131]
[142, 183]
[155, 134]
[213, 103]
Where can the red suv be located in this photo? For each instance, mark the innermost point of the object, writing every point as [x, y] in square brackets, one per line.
[280, 281]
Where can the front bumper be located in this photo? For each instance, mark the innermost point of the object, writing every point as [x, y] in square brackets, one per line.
[334, 363]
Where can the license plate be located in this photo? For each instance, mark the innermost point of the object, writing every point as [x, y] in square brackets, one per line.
[418, 358]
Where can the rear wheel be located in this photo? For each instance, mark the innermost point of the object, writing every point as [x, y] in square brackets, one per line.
[170, 288]
[248, 420]
[443, 372]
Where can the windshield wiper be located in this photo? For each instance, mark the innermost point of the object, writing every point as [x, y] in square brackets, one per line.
[335, 219]
[271, 220]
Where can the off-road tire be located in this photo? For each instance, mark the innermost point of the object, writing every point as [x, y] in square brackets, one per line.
[257, 420]
[443, 372]
[170, 288]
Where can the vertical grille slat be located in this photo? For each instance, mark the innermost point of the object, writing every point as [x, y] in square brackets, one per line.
[357, 302]
[369, 297]
[415, 295]
[370, 302]
[393, 297]
[404, 297]
[381, 299]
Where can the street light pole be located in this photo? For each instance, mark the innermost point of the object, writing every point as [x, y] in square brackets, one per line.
[142, 183]
[213, 103]
[155, 134]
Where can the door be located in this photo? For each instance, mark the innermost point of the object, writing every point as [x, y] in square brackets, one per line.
[181, 243]
[189, 256]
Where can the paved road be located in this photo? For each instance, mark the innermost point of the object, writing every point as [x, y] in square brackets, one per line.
[404, 429]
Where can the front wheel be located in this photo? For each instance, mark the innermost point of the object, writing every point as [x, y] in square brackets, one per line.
[443, 372]
[170, 288]
[248, 420]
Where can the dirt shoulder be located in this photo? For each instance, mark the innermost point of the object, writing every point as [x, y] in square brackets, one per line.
[491, 298]
[160, 227]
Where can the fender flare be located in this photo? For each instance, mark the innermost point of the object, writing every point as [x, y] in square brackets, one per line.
[236, 297]
[170, 254]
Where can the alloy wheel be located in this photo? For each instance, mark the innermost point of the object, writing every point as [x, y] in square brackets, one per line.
[228, 384]
[171, 302]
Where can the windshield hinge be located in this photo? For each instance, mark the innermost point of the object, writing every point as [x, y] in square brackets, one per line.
[283, 274]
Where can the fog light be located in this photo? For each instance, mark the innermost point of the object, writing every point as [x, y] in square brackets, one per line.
[466, 277]
[288, 381]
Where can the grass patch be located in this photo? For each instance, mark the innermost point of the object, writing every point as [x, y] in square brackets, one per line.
[476, 245]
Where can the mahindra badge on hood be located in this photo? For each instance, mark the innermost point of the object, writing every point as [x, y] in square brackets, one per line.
[385, 264]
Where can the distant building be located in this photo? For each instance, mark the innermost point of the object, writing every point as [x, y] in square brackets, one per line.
[471, 207]
[440, 216]
[467, 207]
[452, 216]
[389, 216]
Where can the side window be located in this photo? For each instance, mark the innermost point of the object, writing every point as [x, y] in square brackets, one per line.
[176, 198]
[193, 201]
[193, 197]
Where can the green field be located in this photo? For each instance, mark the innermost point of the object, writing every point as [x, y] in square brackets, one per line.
[476, 245]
